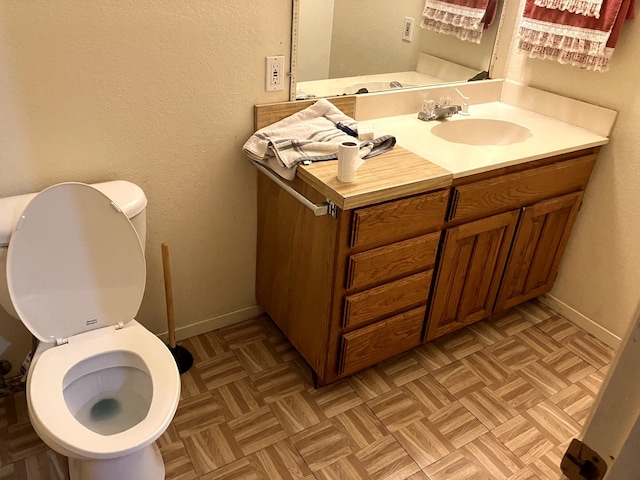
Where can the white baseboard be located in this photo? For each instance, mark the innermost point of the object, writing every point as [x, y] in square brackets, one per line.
[215, 323]
[581, 320]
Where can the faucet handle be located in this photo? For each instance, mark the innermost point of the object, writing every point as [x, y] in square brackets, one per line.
[428, 106]
[428, 109]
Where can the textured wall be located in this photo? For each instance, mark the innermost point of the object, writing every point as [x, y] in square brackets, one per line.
[315, 23]
[600, 274]
[157, 92]
[382, 50]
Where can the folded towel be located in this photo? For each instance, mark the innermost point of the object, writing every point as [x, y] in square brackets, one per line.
[466, 19]
[310, 135]
[572, 38]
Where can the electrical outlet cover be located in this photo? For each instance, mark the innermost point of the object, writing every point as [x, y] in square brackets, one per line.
[407, 31]
[274, 73]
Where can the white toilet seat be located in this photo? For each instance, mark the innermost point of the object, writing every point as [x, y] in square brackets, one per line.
[74, 264]
[51, 417]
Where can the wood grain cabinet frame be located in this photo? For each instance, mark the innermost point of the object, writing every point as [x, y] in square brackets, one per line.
[542, 236]
[379, 302]
[519, 189]
[392, 261]
[348, 291]
[397, 220]
[473, 259]
[372, 344]
[495, 262]
[389, 263]
[380, 279]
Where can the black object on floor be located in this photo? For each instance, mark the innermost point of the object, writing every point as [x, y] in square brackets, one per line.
[183, 358]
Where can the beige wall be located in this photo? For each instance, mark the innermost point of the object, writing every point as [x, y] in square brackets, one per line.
[384, 51]
[160, 93]
[600, 274]
[315, 24]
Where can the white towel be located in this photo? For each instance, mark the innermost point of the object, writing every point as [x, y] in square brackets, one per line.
[309, 135]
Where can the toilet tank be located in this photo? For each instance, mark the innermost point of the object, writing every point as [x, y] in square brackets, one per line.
[131, 200]
[126, 195]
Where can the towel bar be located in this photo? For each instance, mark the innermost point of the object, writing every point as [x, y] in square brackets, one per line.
[318, 209]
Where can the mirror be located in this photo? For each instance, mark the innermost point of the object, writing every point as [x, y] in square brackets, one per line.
[357, 46]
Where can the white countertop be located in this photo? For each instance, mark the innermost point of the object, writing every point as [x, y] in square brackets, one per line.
[350, 85]
[549, 137]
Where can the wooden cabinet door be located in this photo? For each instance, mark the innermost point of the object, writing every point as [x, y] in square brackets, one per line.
[473, 260]
[540, 241]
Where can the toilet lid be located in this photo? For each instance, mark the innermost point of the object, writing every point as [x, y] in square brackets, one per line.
[74, 263]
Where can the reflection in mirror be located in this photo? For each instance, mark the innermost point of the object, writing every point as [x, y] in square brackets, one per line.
[357, 46]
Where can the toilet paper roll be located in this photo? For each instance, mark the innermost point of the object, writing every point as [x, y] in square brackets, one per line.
[348, 161]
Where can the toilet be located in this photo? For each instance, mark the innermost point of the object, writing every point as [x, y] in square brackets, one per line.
[101, 388]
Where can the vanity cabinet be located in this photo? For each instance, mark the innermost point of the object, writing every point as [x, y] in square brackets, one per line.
[411, 253]
[380, 279]
[492, 263]
[353, 290]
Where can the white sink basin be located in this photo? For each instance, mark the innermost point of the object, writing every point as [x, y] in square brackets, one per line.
[481, 131]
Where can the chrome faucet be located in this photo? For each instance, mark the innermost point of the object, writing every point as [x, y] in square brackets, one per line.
[438, 111]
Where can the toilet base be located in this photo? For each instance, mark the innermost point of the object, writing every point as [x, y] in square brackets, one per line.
[145, 464]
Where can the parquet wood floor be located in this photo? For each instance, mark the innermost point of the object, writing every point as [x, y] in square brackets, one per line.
[499, 400]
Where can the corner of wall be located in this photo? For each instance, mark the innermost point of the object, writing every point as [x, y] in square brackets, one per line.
[505, 39]
[581, 320]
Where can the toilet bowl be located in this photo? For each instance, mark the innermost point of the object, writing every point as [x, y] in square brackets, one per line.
[101, 388]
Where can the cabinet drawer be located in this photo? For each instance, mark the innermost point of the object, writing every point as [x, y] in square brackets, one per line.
[392, 261]
[369, 345]
[387, 299]
[518, 189]
[398, 220]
